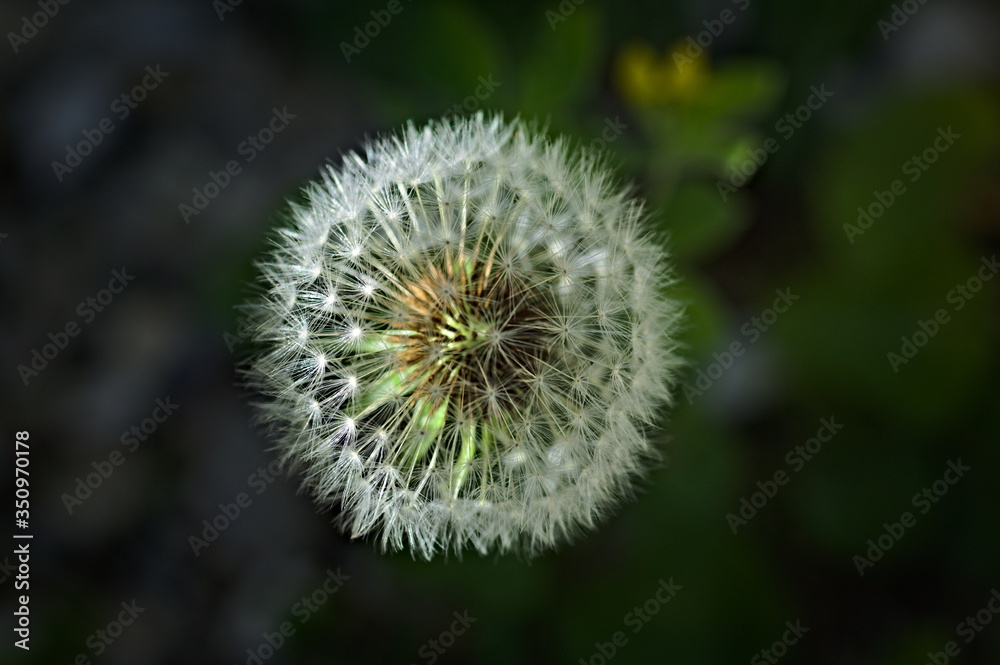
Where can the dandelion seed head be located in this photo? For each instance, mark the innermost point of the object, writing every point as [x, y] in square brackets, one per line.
[465, 339]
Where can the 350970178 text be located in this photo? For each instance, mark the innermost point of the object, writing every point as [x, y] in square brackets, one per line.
[22, 542]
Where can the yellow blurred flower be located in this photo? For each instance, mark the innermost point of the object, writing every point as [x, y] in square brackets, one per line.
[646, 78]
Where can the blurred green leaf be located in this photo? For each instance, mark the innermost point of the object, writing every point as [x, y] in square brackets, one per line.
[563, 65]
[448, 49]
[704, 315]
[858, 166]
[867, 296]
[741, 88]
[699, 221]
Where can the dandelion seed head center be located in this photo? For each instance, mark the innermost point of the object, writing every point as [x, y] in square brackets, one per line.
[462, 332]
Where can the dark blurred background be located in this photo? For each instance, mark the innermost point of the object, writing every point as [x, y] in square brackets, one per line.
[828, 177]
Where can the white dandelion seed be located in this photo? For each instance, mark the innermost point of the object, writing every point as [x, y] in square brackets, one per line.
[465, 339]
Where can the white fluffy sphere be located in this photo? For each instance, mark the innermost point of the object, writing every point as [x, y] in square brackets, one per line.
[464, 339]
